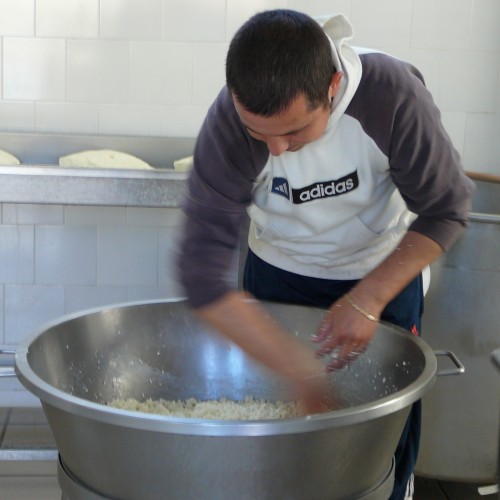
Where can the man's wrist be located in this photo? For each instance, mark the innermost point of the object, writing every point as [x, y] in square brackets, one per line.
[360, 309]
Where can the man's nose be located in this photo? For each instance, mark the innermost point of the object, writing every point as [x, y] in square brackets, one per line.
[277, 145]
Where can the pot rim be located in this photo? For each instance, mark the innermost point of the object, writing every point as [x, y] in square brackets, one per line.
[50, 395]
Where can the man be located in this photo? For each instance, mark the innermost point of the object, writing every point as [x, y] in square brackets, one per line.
[352, 187]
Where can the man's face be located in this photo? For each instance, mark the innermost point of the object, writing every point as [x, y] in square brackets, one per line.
[296, 126]
[293, 128]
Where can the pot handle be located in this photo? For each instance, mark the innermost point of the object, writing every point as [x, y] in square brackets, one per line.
[459, 367]
[7, 371]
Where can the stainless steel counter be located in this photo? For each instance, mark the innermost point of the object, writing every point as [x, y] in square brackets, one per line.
[39, 179]
[103, 187]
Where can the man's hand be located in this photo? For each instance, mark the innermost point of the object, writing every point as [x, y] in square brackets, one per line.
[347, 328]
[344, 333]
[315, 395]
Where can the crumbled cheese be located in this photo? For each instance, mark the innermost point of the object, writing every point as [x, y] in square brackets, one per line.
[222, 409]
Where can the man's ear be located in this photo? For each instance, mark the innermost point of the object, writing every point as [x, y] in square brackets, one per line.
[334, 84]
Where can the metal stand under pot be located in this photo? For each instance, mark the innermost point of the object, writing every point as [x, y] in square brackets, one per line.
[72, 489]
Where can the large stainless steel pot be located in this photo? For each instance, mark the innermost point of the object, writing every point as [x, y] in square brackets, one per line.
[159, 349]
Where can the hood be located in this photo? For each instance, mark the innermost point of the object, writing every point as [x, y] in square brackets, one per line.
[345, 58]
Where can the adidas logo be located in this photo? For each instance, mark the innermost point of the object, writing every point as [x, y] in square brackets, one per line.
[315, 191]
[280, 186]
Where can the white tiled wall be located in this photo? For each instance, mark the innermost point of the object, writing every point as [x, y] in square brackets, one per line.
[153, 67]
[58, 260]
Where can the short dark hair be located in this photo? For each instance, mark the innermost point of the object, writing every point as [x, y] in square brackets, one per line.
[276, 56]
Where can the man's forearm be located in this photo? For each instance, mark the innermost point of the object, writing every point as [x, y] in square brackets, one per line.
[381, 285]
[244, 321]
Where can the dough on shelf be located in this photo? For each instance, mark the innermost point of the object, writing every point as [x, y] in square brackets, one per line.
[8, 159]
[103, 158]
[183, 164]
